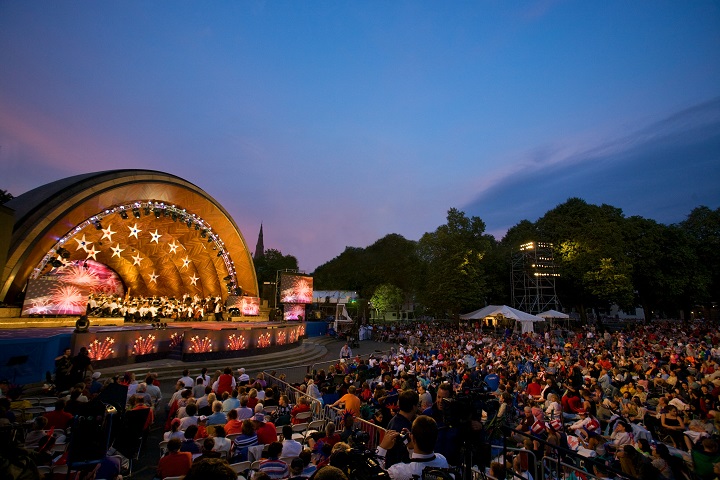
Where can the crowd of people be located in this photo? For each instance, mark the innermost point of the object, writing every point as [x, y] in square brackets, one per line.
[644, 402]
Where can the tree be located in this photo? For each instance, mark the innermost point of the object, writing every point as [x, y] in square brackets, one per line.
[387, 298]
[590, 253]
[703, 226]
[5, 197]
[267, 266]
[455, 280]
[392, 259]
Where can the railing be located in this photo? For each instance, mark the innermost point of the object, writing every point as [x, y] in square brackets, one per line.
[328, 413]
[553, 464]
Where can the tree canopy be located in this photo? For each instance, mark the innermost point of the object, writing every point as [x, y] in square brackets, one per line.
[602, 257]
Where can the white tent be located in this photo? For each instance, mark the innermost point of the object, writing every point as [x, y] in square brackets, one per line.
[524, 319]
[554, 314]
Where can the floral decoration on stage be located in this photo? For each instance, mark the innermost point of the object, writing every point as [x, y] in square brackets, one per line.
[294, 335]
[282, 336]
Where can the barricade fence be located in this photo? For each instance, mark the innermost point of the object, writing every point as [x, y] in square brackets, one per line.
[326, 412]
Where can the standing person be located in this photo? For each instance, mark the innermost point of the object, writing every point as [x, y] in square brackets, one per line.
[81, 366]
[408, 401]
[63, 370]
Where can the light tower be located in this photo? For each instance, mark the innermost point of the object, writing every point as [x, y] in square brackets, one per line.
[533, 278]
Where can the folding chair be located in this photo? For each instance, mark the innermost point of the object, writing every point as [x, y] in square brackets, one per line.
[304, 417]
[299, 432]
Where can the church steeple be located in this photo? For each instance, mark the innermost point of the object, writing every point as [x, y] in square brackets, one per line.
[260, 247]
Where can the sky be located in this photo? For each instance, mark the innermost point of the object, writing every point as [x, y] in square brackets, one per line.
[336, 123]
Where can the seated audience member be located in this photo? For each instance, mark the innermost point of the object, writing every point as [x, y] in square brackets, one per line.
[705, 457]
[272, 465]
[233, 425]
[211, 469]
[246, 439]
[190, 418]
[208, 451]
[174, 431]
[218, 417]
[244, 412]
[188, 444]
[291, 448]
[222, 443]
[302, 406]
[175, 463]
[266, 431]
[296, 469]
[58, 418]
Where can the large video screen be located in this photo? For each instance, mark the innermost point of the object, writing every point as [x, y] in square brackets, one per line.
[250, 306]
[296, 288]
[65, 291]
[294, 312]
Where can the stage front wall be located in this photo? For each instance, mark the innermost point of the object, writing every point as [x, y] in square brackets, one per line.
[113, 346]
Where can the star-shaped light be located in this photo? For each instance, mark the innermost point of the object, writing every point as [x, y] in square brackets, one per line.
[137, 259]
[173, 247]
[155, 236]
[117, 251]
[82, 243]
[153, 277]
[186, 262]
[108, 233]
[134, 230]
[91, 253]
[194, 279]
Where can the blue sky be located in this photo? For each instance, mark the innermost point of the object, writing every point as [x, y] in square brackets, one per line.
[336, 123]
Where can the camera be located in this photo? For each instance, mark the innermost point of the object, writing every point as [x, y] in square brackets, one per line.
[404, 438]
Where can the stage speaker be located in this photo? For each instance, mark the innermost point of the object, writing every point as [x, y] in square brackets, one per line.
[82, 325]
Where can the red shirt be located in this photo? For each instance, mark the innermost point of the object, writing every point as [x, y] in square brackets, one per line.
[58, 419]
[174, 464]
[233, 426]
[266, 433]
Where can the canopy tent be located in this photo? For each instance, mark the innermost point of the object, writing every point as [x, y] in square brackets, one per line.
[525, 320]
[554, 314]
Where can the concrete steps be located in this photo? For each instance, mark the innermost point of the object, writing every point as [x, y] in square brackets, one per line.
[169, 370]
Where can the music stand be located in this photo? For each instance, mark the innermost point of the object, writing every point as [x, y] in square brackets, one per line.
[15, 362]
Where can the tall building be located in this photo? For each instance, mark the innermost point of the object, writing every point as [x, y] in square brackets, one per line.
[260, 247]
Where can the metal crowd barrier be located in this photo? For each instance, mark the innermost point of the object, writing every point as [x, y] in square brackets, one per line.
[326, 412]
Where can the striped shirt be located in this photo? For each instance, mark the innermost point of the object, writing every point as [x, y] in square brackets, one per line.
[274, 468]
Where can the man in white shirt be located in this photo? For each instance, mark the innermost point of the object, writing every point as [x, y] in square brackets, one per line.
[291, 448]
[421, 443]
[187, 379]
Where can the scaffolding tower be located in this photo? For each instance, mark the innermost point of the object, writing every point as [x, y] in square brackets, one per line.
[533, 278]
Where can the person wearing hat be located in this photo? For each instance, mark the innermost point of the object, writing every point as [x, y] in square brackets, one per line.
[586, 426]
[265, 430]
[96, 385]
